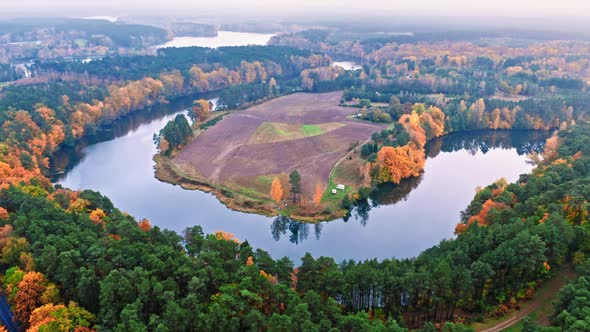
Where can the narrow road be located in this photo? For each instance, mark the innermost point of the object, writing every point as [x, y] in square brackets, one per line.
[552, 288]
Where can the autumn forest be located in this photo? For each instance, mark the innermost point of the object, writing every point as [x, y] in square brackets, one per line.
[284, 130]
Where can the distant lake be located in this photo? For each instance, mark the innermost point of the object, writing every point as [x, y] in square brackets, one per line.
[398, 221]
[105, 18]
[223, 38]
[347, 65]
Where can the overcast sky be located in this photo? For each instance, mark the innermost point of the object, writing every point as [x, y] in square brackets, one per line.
[288, 7]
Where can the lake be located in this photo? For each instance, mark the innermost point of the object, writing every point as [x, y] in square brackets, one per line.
[223, 38]
[399, 221]
[347, 65]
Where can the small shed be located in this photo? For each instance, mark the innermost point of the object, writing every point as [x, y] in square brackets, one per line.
[334, 191]
[340, 187]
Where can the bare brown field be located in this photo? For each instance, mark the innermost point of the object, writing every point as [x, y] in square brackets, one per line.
[311, 134]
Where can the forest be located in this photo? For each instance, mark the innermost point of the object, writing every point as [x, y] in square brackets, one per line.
[73, 261]
[73, 258]
[46, 39]
[38, 119]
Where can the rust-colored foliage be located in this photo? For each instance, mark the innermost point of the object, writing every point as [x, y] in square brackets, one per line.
[481, 217]
[97, 216]
[83, 329]
[3, 214]
[294, 278]
[115, 237]
[433, 119]
[460, 228]
[276, 190]
[201, 109]
[318, 194]
[28, 297]
[550, 150]
[221, 235]
[574, 209]
[249, 261]
[412, 125]
[164, 145]
[145, 225]
[51, 317]
[398, 163]
[5, 235]
[42, 315]
[272, 279]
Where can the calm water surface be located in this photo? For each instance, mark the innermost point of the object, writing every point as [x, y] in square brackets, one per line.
[347, 65]
[223, 38]
[399, 221]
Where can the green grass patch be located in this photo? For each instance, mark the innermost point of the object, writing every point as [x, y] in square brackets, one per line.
[81, 42]
[264, 180]
[334, 199]
[312, 130]
[273, 132]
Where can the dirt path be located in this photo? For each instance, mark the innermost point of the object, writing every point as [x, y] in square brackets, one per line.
[550, 291]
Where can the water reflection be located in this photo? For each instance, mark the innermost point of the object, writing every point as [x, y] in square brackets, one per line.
[66, 158]
[523, 142]
[404, 219]
[298, 231]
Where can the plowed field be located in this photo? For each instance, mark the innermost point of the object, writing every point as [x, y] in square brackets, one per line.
[304, 132]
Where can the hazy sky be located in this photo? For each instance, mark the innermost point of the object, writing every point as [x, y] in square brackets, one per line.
[288, 7]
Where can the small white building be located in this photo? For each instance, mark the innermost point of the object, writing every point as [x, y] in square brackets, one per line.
[334, 191]
[340, 187]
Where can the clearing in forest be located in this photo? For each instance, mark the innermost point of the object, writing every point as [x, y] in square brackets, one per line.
[306, 132]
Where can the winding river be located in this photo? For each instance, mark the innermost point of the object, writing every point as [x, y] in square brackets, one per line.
[398, 221]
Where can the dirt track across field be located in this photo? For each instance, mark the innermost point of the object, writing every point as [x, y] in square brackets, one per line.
[225, 152]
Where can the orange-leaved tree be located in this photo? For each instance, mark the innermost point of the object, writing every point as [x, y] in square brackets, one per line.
[398, 163]
[550, 150]
[413, 127]
[276, 190]
[97, 216]
[3, 214]
[29, 295]
[201, 110]
[145, 225]
[51, 317]
[319, 193]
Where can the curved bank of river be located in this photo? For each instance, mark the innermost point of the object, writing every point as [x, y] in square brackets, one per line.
[401, 221]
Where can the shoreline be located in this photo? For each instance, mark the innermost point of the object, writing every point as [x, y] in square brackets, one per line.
[167, 172]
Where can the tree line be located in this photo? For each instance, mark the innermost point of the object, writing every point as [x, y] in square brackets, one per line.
[60, 246]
